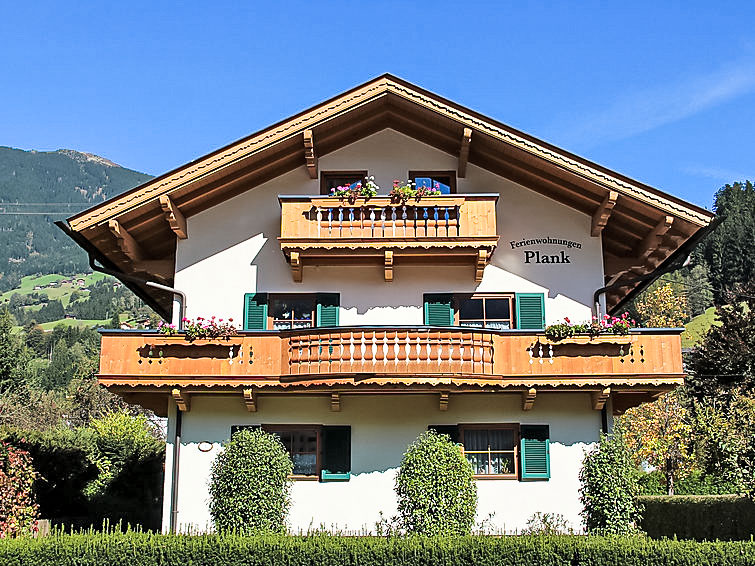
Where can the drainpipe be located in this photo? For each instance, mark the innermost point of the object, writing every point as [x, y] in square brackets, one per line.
[174, 472]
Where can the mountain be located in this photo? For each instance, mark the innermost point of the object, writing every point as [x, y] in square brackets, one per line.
[39, 187]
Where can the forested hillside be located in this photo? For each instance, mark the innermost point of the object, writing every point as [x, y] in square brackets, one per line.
[37, 188]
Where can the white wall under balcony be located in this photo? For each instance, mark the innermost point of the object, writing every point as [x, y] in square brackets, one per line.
[232, 248]
[382, 427]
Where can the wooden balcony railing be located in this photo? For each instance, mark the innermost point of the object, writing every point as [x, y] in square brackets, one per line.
[322, 230]
[405, 353]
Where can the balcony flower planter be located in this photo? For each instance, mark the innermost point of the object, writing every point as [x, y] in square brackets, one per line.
[383, 200]
[594, 341]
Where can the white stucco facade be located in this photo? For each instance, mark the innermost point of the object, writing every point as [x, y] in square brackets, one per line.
[233, 249]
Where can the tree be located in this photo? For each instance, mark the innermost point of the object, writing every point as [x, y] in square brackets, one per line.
[699, 289]
[435, 486]
[58, 373]
[663, 307]
[115, 321]
[12, 355]
[609, 490]
[730, 250]
[659, 434]
[725, 360]
[249, 485]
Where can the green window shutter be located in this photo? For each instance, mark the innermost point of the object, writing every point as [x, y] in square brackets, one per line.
[530, 311]
[328, 305]
[336, 452]
[255, 311]
[439, 310]
[535, 452]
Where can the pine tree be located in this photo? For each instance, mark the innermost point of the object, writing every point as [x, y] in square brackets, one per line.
[12, 354]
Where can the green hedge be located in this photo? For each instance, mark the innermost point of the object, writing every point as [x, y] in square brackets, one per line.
[137, 549]
[699, 517]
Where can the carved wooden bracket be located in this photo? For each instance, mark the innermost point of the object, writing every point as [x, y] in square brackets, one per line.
[466, 139]
[443, 401]
[335, 402]
[601, 216]
[174, 217]
[528, 399]
[181, 399]
[309, 154]
[250, 400]
[652, 241]
[482, 260]
[125, 241]
[599, 398]
[388, 265]
[296, 266]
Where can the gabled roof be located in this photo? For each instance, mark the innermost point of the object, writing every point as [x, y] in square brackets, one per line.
[641, 226]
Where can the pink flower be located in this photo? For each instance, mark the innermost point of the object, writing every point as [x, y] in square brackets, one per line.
[566, 318]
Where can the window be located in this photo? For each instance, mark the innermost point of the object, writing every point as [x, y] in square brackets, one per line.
[486, 311]
[444, 181]
[302, 444]
[332, 179]
[317, 451]
[491, 449]
[497, 311]
[290, 311]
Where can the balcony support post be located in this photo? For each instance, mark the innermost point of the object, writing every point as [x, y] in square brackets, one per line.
[182, 400]
[250, 400]
[443, 401]
[309, 154]
[388, 265]
[466, 139]
[599, 398]
[528, 399]
[296, 267]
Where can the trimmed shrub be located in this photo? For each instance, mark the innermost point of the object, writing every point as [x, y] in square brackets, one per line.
[609, 487]
[249, 485]
[435, 486]
[694, 483]
[136, 549]
[699, 517]
[18, 512]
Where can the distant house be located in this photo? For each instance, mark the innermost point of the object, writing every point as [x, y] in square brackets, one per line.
[367, 321]
[37, 288]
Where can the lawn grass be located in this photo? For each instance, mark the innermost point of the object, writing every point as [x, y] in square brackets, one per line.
[61, 293]
[73, 322]
[696, 328]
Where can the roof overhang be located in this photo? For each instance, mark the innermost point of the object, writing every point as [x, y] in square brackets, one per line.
[640, 226]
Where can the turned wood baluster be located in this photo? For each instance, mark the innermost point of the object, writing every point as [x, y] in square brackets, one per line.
[294, 354]
[356, 354]
[330, 221]
[380, 350]
[435, 220]
[458, 221]
[369, 354]
[487, 355]
[382, 222]
[303, 354]
[393, 219]
[337, 351]
[402, 338]
[340, 221]
[345, 339]
[446, 345]
[457, 339]
[390, 354]
[417, 353]
[477, 341]
[467, 355]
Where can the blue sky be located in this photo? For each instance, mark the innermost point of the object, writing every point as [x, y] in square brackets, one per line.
[663, 92]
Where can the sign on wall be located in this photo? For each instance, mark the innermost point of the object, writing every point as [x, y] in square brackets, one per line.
[534, 250]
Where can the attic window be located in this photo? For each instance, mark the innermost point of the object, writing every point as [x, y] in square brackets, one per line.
[333, 179]
[444, 181]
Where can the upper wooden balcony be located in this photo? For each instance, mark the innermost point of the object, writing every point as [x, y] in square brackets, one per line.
[317, 230]
[385, 358]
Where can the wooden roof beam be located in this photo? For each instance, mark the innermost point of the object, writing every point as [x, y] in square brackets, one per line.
[601, 216]
[466, 139]
[599, 398]
[652, 240]
[309, 154]
[125, 241]
[250, 400]
[174, 217]
[182, 400]
[528, 399]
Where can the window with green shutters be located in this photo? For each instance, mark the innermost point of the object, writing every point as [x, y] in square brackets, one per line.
[328, 305]
[535, 452]
[439, 310]
[530, 311]
[255, 311]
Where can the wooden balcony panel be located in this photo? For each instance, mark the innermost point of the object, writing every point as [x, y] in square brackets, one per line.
[322, 230]
[401, 354]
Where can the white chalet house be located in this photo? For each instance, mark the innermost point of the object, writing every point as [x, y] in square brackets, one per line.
[365, 321]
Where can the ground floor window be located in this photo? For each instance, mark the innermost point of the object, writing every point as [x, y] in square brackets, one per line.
[302, 444]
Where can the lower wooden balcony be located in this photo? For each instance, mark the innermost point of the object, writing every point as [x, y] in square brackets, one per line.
[395, 357]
